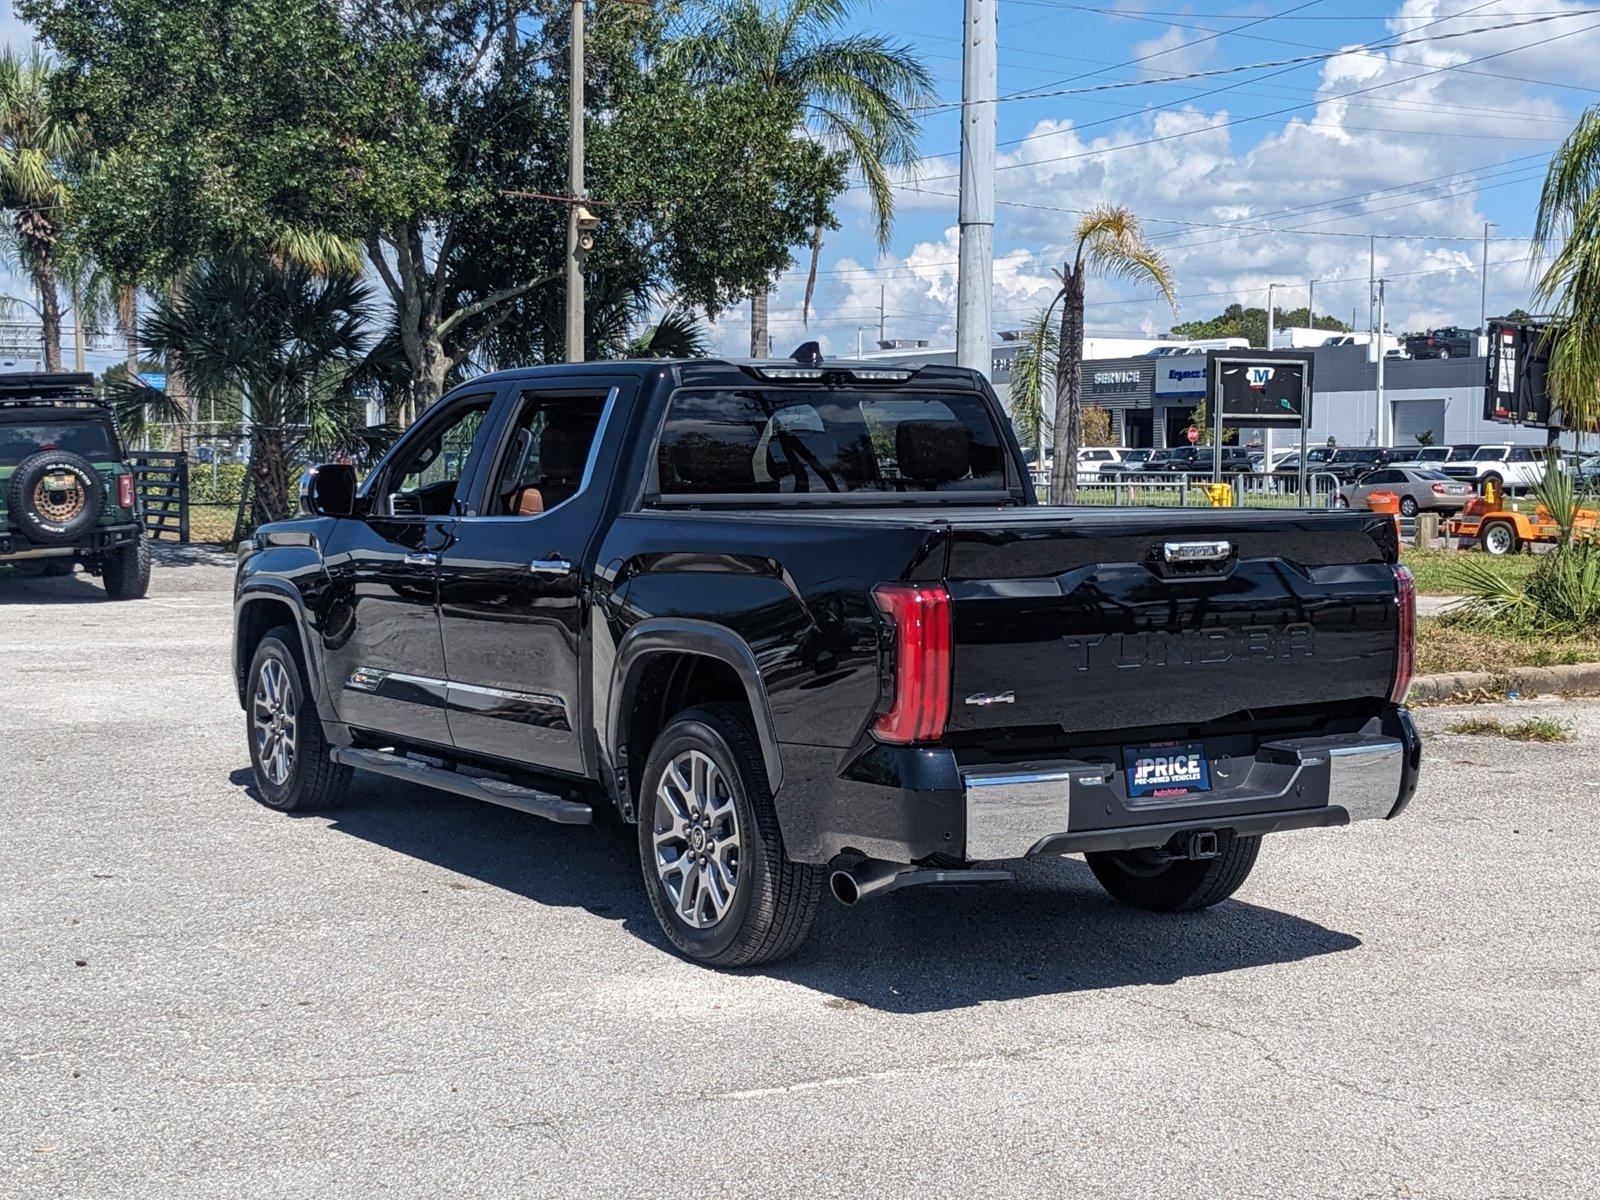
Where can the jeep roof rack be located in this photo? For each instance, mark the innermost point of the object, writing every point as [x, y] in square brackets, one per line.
[46, 387]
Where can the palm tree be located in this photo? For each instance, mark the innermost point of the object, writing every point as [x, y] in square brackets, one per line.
[1110, 242]
[1566, 239]
[857, 93]
[275, 345]
[1033, 379]
[34, 148]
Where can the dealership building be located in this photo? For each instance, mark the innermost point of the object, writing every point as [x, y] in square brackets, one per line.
[1151, 398]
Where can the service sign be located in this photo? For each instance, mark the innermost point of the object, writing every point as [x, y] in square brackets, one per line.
[1114, 381]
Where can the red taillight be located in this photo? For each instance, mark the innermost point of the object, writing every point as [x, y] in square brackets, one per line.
[125, 491]
[919, 616]
[1439, 489]
[1405, 597]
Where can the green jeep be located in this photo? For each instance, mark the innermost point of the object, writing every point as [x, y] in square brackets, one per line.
[66, 489]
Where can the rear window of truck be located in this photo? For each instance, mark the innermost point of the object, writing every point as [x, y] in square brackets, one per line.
[90, 439]
[772, 441]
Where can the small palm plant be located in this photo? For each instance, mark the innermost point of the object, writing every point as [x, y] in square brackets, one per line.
[1033, 383]
[1110, 242]
[277, 347]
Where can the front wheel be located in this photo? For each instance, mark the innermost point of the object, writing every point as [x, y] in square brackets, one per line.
[1148, 879]
[1340, 500]
[288, 754]
[1408, 506]
[719, 882]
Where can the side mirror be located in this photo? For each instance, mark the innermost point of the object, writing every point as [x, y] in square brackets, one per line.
[328, 490]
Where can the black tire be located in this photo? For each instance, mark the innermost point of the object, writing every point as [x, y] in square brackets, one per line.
[1499, 483]
[127, 570]
[1137, 878]
[1408, 506]
[773, 899]
[1340, 500]
[313, 780]
[54, 516]
[1499, 538]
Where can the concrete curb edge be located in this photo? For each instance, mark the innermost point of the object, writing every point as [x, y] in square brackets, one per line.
[1580, 678]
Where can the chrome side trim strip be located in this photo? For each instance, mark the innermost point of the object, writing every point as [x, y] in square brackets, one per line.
[1365, 780]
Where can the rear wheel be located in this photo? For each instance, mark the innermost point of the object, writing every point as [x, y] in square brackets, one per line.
[719, 882]
[1148, 879]
[288, 754]
[1340, 500]
[127, 571]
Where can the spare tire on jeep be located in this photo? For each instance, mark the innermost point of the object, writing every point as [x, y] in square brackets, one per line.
[55, 497]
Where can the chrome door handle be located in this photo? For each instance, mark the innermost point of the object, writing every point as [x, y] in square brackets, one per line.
[425, 558]
[554, 565]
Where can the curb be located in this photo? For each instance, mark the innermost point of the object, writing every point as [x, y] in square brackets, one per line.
[1571, 678]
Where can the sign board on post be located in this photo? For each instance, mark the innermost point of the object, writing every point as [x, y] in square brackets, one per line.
[1253, 388]
[1193, 435]
[154, 379]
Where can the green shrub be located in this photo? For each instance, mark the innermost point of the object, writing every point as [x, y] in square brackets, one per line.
[229, 478]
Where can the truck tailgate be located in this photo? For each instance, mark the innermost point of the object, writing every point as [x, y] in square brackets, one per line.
[1167, 620]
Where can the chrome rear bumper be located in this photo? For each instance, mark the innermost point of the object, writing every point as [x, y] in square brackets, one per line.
[1059, 807]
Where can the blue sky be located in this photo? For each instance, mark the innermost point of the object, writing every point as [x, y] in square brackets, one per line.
[1272, 174]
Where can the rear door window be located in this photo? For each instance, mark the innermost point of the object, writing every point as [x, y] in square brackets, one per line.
[91, 439]
[775, 441]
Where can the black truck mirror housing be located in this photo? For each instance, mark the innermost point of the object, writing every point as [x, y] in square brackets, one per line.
[328, 490]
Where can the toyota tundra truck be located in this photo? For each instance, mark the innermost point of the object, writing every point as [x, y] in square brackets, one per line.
[803, 627]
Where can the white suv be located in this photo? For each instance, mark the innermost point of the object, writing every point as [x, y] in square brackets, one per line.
[1513, 468]
[1092, 458]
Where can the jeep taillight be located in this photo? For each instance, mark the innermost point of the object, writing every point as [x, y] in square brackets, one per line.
[917, 634]
[1405, 595]
[125, 491]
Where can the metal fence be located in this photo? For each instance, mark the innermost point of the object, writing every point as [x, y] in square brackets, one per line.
[1185, 490]
[161, 480]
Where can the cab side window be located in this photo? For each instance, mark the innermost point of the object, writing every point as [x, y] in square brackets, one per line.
[422, 481]
[546, 453]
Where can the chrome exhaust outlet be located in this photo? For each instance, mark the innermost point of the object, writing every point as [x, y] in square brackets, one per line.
[873, 877]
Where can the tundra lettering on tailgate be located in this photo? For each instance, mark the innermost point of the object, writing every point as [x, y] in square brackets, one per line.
[1191, 648]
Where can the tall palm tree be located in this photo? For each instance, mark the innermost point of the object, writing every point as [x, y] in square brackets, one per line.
[276, 346]
[34, 149]
[1109, 242]
[1566, 241]
[857, 93]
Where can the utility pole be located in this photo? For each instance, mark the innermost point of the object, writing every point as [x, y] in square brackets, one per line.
[1378, 428]
[1311, 304]
[1372, 288]
[1483, 282]
[575, 190]
[975, 269]
[1271, 316]
[881, 338]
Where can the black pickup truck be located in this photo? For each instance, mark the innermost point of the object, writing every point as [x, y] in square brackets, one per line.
[803, 625]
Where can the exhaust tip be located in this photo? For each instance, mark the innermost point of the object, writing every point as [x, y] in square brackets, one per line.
[844, 887]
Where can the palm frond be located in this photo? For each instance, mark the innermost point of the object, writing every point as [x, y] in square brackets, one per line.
[1033, 380]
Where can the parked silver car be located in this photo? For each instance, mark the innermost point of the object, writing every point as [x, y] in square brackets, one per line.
[1420, 490]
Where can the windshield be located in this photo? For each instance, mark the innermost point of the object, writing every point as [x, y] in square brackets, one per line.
[1319, 454]
[770, 441]
[91, 439]
[1343, 456]
[1490, 454]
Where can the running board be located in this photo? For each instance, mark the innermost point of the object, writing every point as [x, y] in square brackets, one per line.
[508, 795]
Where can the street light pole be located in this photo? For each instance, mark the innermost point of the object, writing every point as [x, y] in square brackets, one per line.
[1271, 316]
[1381, 422]
[1311, 304]
[975, 265]
[575, 190]
[1483, 282]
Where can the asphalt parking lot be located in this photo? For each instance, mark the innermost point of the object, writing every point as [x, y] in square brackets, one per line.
[418, 996]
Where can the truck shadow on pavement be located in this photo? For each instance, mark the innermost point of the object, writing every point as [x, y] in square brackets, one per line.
[70, 589]
[1052, 931]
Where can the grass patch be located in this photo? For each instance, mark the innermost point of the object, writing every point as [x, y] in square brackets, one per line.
[1439, 572]
[1534, 729]
[1445, 647]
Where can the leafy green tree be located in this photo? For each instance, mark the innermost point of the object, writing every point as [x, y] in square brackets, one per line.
[1033, 383]
[275, 348]
[855, 93]
[427, 139]
[36, 147]
[1251, 324]
[1109, 241]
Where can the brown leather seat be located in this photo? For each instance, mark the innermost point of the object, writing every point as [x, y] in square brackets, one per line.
[527, 502]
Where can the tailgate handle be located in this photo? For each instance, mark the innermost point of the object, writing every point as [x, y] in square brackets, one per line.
[1194, 552]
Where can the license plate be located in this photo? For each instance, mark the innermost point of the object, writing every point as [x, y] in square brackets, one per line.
[1172, 769]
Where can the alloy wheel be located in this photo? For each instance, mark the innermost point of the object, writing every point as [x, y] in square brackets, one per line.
[273, 713]
[696, 837]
